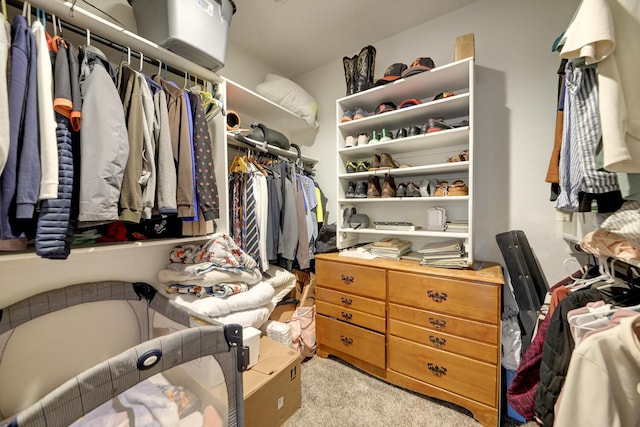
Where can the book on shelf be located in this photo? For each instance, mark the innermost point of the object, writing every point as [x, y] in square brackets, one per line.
[442, 255]
[395, 226]
[446, 263]
[448, 245]
[412, 256]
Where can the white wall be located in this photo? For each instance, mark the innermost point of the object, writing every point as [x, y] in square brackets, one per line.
[515, 99]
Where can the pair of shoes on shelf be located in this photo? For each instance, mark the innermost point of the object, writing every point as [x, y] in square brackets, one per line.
[462, 156]
[373, 187]
[384, 161]
[381, 136]
[456, 188]
[409, 189]
[428, 187]
[356, 191]
[348, 115]
[435, 124]
[354, 141]
[353, 167]
[388, 187]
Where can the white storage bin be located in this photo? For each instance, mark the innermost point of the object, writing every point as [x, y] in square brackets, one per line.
[195, 29]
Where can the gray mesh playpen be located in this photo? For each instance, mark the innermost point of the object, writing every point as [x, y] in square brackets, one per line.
[117, 353]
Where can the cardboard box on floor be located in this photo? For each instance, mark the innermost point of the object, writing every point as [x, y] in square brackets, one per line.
[272, 387]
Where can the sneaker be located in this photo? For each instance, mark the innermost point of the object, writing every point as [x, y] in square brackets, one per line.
[427, 187]
[436, 124]
[373, 187]
[362, 167]
[351, 167]
[363, 139]
[385, 135]
[349, 142]
[401, 191]
[347, 116]
[360, 113]
[361, 190]
[351, 190]
[388, 187]
[374, 137]
[401, 133]
[412, 190]
[442, 189]
[462, 156]
[414, 131]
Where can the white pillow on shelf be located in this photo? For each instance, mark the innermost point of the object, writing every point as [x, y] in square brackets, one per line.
[289, 95]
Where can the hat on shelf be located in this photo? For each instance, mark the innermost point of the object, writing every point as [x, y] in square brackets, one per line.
[386, 106]
[392, 73]
[418, 66]
[410, 102]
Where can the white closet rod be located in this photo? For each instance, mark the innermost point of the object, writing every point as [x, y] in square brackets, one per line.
[109, 31]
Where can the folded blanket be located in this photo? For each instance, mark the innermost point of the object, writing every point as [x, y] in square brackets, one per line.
[257, 296]
[220, 290]
[279, 276]
[255, 317]
[220, 250]
[178, 273]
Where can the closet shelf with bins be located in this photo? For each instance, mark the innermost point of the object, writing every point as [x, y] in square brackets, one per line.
[424, 156]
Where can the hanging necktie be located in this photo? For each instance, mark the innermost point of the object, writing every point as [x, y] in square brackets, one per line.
[252, 235]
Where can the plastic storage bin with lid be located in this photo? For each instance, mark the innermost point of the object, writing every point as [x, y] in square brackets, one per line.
[194, 29]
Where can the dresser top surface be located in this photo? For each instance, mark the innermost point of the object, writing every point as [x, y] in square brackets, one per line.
[489, 272]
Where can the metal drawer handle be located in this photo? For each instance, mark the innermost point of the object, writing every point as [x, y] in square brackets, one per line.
[437, 371]
[346, 301]
[346, 316]
[347, 279]
[437, 296]
[437, 341]
[346, 340]
[437, 323]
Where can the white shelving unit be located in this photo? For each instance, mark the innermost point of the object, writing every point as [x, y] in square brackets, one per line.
[426, 154]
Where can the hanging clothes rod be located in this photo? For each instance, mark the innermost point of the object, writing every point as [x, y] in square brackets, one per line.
[78, 20]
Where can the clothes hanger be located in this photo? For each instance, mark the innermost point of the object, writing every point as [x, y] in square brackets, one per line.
[141, 62]
[238, 164]
[4, 10]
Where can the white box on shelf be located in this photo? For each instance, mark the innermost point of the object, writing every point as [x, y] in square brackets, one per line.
[251, 339]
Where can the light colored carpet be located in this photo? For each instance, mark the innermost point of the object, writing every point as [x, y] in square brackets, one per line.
[335, 394]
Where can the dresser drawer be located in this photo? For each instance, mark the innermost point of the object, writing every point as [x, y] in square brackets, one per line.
[439, 322]
[356, 317]
[458, 374]
[451, 343]
[470, 300]
[355, 279]
[351, 301]
[360, 343]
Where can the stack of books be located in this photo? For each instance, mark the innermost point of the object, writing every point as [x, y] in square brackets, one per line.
[389, 248]
[448, 253]
[457, 226]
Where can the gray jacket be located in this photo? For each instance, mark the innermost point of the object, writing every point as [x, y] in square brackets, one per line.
[104, 140]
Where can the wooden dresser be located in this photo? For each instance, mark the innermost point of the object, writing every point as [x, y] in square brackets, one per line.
[430, 330]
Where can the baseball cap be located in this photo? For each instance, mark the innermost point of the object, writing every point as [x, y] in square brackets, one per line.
[409, 102]
[418, 66]
[386, 106]
[392, 73]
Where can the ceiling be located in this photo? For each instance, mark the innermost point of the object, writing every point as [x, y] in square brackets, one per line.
[296, 36]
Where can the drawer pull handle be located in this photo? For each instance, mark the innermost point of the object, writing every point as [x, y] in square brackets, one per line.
[437, 341]
[346, 340]
[437, 371]
[346, 279]
[346, 301]
[437, 323]
[437, 296]
[346, 316]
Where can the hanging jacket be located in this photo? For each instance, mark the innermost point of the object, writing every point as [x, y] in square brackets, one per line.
[54, 233]
[556, 354]
[103, 139]
[20, 179]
